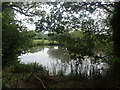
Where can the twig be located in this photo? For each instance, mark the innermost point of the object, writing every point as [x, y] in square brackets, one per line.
[30, 76]
[40, 81]
[7, 81]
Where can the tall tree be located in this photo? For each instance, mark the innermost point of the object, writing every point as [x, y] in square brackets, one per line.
[115, 22]
[15, 38]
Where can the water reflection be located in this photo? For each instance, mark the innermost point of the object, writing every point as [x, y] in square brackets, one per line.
[57, 59]
[59, 54]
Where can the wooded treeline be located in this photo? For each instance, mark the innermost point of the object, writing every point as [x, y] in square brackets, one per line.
[83, 28]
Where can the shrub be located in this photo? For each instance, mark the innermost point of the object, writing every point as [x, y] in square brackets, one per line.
[28, 68]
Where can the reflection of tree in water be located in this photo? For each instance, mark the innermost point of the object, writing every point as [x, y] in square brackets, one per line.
[88, 66]
[59, 54]
[36, 49]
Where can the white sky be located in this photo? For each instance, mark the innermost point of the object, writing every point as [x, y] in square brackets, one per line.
[22, 18]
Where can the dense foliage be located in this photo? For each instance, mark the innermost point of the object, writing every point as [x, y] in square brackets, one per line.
[74, 26]
[83, 29]
[16, 39]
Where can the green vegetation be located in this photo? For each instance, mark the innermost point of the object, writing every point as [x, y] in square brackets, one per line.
[23, 75]
[44, 39]
[71, 25]
[15, 38]
[36, 76]
[44, 42]
[77, 42]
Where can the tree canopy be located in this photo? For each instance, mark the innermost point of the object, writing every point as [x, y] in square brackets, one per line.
[66, 17]
[73, 15]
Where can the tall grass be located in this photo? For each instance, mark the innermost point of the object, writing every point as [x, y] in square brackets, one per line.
[20, 74]
[27, 68]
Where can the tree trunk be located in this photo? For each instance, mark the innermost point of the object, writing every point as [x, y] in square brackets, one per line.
[116, 29]
[115, 23]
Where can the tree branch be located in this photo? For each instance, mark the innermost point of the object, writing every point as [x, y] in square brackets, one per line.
[22, 10]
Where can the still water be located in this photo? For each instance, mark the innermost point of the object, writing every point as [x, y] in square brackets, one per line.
[57, 59]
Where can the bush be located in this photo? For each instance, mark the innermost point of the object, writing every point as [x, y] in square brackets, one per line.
[61, 73]
[28, 68]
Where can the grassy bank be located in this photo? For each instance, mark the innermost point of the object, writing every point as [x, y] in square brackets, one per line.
[44, 42]
[36, 76]
[24, 76]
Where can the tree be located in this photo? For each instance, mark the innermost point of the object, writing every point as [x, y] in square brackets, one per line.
[75, 16]
[115, 22]
[15, 40]
[70, 15]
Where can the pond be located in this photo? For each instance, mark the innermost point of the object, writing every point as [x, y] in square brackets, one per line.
[57, 59]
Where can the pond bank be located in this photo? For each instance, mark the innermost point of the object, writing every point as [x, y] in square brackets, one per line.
[44, 42]
[28, 74]
[57, 59]
[36, 80]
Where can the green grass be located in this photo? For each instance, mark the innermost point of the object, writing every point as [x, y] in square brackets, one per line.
[46, 42]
